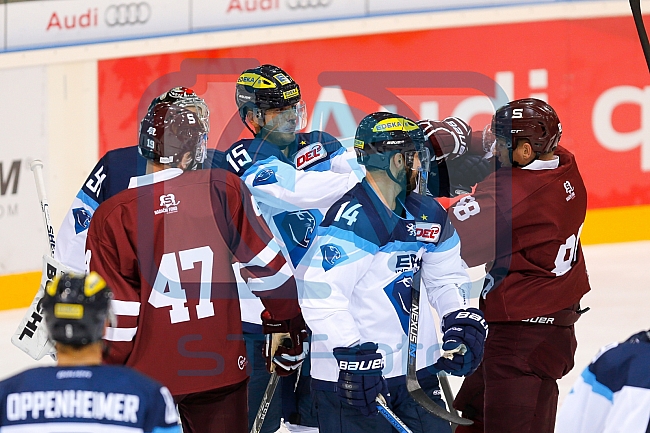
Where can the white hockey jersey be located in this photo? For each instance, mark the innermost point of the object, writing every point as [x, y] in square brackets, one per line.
[355, 280]
[612, 394]
[292, 194]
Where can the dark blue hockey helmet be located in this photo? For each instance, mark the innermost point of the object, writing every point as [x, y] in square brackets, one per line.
[380, 135]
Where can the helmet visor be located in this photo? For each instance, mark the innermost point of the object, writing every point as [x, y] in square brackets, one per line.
[287, 120]
[417, 169]
[489, 139]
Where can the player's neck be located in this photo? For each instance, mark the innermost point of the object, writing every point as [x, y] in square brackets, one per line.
[68, 356]
[386, 189]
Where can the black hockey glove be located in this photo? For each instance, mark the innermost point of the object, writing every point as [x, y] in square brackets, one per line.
[466, 171]
[463, 340]
[360, 379]
[286, 344]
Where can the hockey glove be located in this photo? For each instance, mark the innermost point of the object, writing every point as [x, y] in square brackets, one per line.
[360, 379]
[468, 170]
[464, 336]
[286, 344]
[446, 138]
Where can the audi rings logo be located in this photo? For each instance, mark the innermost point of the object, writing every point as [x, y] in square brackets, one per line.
[127, 14]
[304, 4]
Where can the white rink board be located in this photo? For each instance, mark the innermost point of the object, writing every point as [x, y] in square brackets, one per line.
[213, 14]
[60, 22]
[380, 6]
[23, 137]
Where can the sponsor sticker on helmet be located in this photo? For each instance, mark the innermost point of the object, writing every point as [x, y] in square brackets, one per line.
[291, 93]
[68, 311]
[358, 143]
[255, 80]
[93, 284]
[394, 124]
[282, 79]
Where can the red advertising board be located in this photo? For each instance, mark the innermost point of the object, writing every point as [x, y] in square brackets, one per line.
[591, 70]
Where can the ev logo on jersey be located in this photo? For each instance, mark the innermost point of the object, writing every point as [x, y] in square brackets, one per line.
[569, 190]
[308, 155]
[265, 177]
[428, 232]
[169, 203]
[332, 255]
[404, 262]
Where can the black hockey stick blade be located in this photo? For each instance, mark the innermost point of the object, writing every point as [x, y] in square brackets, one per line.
[429, 405]
[635, 5]
[412, 384]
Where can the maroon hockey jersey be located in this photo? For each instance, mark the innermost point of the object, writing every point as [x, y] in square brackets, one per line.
[527, 222]
[166, 249]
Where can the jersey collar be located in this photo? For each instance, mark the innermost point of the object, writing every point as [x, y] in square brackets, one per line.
[538, 164]
[150, 179]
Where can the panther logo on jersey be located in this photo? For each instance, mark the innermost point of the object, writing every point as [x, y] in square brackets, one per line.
[300, 226]
[332, 255]
[265, 177]
[81, 219]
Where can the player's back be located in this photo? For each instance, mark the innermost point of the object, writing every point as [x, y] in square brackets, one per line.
[176, 239]
[82, 399]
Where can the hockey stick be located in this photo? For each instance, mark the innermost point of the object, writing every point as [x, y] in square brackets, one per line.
[31, 336]
[266, 402]
[412, 384]
[273, 382]
[635, 5]
[37, 167]
[390, 416]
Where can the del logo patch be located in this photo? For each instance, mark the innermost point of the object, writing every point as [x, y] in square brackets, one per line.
[427, 232]
[81, 219]
[265, 176]
[308, 155]
[332, 254]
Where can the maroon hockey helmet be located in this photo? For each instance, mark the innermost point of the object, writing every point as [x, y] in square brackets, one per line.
[168, 131]
[185, 97]
[528, 118]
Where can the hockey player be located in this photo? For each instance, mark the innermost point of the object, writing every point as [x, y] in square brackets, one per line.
[79, 394]
[111, 175]
[294, 178]
[613, 392]
[525, 221]
[167, 247]
[355, 283]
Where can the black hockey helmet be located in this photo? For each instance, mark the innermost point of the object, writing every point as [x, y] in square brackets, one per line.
[168, 131]
[76, 307]
[380, 135]
[265, 87]
[187, 98]
[528, 118]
